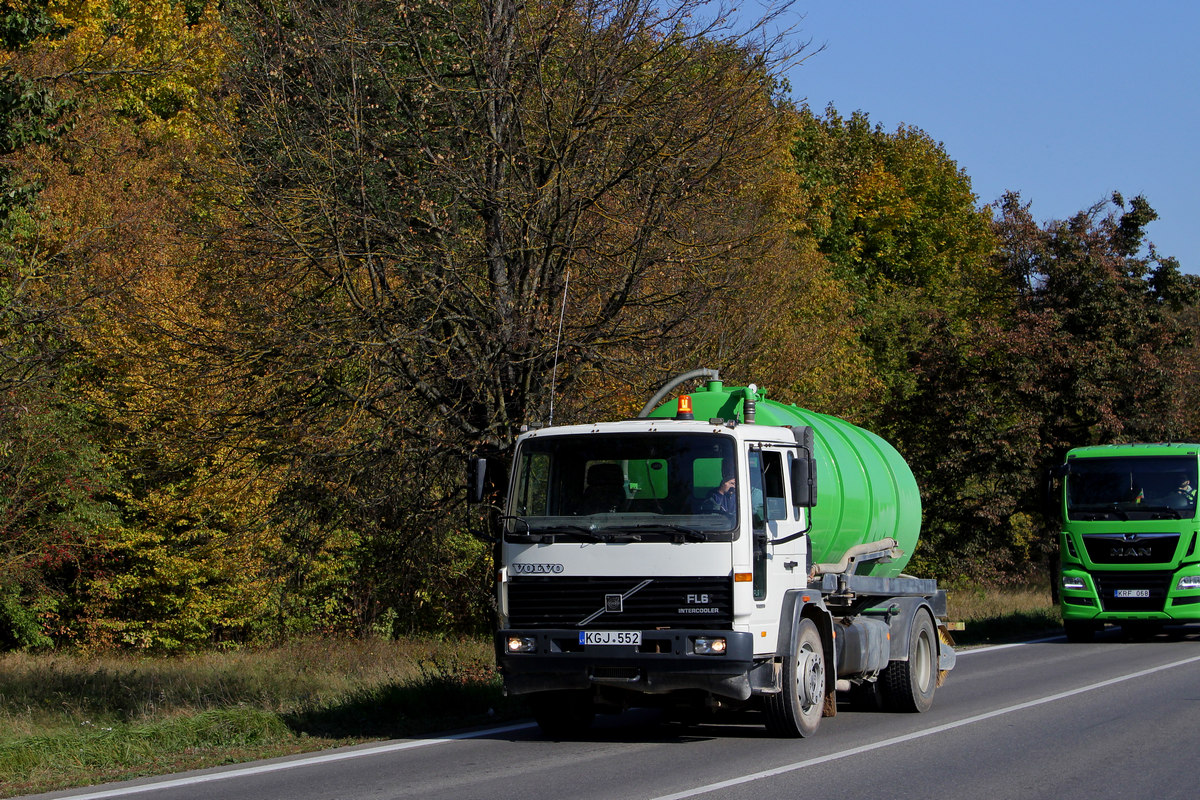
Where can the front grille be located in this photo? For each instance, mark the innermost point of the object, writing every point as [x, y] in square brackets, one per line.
[1156, 583]
[1134, 548]
[644, 603]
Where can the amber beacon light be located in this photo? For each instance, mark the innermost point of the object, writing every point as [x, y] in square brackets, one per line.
[685, 407]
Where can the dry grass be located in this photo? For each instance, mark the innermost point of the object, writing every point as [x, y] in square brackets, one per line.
[296, 677]
[120, 715]
[70, 720]
[999, 614]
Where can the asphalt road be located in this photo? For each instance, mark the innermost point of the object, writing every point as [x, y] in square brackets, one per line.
[1112, 719]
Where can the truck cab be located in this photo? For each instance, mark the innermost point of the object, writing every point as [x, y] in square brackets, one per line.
[614, 535]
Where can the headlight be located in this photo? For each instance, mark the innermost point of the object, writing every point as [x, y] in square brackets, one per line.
[709, 645]
[1073, 582]
[521, 644]
[1189, 582]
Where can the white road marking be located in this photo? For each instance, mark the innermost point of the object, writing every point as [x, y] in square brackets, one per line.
[991, 648]
[323, 758]
[866, 748]
[412, 744]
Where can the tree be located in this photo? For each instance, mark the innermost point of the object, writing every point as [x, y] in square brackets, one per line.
[898, 221]
[47, 474]
[1110, 307]
[442, 169]
[97, 292]
[893, 211]
[1091, 352]
[420, 188]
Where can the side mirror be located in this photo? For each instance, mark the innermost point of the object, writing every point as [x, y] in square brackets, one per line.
[804, 482]
[476, 480]
[1052, 501]
[804, 468]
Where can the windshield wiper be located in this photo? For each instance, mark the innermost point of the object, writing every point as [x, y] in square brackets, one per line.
[547, 534]
[1157, 510]
[587, 534]
[605, 534]
[1098, 512]
[681, 532]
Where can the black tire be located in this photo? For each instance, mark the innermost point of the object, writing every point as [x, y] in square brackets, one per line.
[1078, 630]
[797, 709]
[908, 686]
[563, 715]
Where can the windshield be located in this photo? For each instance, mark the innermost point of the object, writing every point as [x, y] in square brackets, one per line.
[1144, 487]
[634, 486]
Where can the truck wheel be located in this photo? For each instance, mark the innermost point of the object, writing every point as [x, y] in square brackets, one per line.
[562, 715]
[796, 710]
[1079, 630]
[909, 685]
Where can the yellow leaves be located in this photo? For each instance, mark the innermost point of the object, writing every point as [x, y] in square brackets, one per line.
[196, 562]
[147, 57]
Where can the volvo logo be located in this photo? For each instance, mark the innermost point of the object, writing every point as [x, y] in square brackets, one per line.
[536, 569]
[614, 603]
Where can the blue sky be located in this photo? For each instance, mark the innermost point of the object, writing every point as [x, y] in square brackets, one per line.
[1064, 102]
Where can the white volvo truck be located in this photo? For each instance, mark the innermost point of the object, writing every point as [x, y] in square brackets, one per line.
[722, 550]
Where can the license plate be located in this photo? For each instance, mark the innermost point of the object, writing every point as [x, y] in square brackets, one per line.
[610, 637]
[1133, 593]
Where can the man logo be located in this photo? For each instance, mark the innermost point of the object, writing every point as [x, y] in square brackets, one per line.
[1130, 552]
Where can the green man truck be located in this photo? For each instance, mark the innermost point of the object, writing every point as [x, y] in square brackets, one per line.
[1128, 549]
[721, 550]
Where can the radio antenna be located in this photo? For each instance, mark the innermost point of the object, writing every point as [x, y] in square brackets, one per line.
[562, 313]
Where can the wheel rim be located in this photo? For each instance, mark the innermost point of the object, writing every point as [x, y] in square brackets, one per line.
[924, 662]
[810, 677]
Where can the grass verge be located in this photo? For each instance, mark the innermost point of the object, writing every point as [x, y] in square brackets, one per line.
[992, 616]
[69, 720]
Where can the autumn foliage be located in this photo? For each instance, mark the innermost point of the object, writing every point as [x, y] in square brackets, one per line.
[270, 271]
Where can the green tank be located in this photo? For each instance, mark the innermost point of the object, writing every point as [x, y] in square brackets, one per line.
[865, 490]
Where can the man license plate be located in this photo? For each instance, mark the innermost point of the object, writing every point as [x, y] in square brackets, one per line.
[1133, 592]
[610, 637]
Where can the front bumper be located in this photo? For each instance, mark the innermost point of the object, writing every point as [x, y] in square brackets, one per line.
[665, 661]
[1155, 596]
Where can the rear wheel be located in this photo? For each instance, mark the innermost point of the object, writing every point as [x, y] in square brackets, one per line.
[796, 710]
[909, 685]
[563, 715]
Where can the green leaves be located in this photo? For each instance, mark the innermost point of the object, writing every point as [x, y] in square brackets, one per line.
[892, 209]
[24, 24]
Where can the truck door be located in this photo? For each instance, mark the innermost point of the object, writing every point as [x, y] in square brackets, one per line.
[777, 567]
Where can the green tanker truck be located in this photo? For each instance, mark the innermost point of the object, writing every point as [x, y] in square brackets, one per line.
[1128, 548]
[720, 550]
